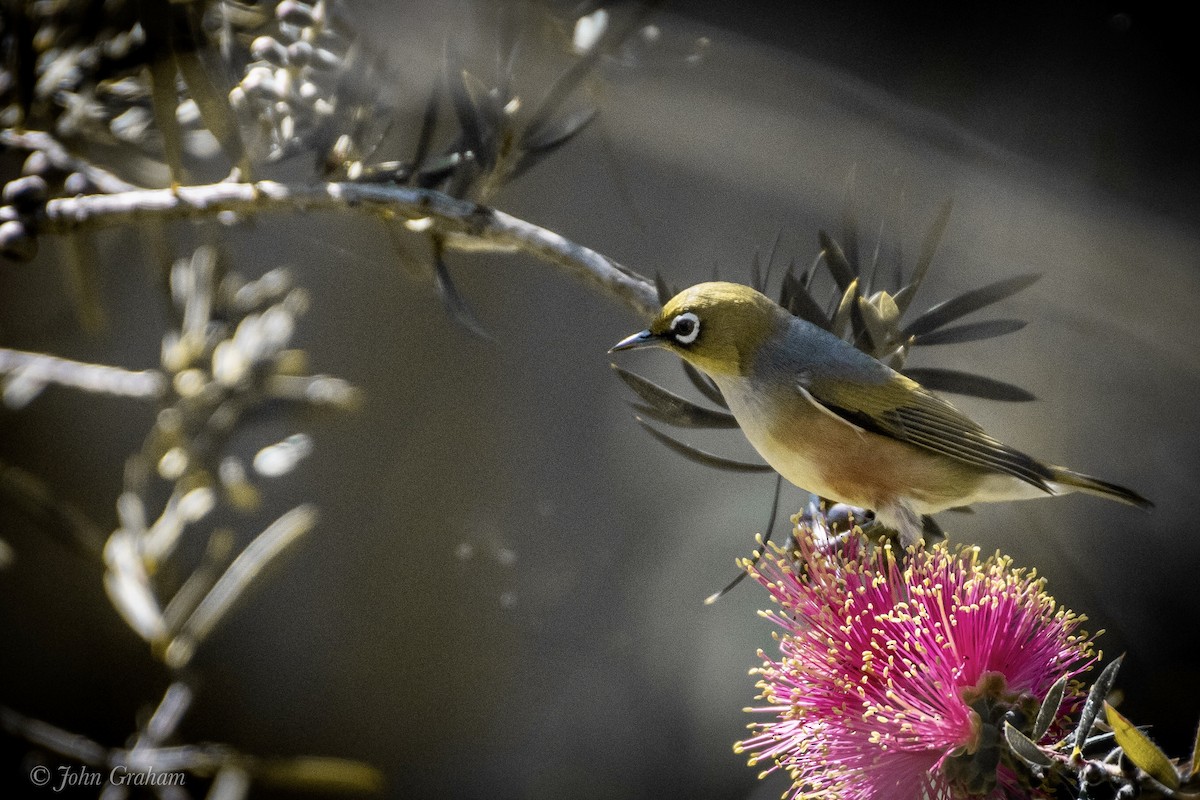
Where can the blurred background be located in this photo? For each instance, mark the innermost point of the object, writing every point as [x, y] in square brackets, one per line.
[503, 596]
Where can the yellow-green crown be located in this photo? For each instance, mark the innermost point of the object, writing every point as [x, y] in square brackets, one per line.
[734, 322]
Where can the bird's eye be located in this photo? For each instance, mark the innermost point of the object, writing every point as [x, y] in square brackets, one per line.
[685, 328]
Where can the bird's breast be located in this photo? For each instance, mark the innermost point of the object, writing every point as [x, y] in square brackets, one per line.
[824, 454]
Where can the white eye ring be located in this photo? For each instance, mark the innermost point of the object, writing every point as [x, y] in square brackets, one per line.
[690, 324]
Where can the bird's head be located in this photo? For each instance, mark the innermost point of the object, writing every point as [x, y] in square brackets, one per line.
[718, 327]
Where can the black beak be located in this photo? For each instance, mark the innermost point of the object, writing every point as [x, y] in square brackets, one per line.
[638, 340]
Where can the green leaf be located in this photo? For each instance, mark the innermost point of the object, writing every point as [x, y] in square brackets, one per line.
[164, 99]
[665, 292]
[1094, 702]
[197, 65]
[459, 311]
[766, 278]
[756, 276]
[797, 300]
[970, 332]
[568, 80]
[1049, 709]
[835, 259]
[950, 310]
[966, 383]
[704, 384]
[846, 305]
[555, 134]
[929, 246]
[1025, 748]
[672, 409]
[231, 586]
[860, 331]
[850, 218]
[471, 117]
[754, 559]
[1141, 751]
[428, 124]
[701, 456]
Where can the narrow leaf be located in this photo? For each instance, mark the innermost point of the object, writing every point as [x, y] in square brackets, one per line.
[850, 218]
[197, 65]
[756, 277]
[770, 261]
[164, 100]
[1094, 702]
[53, 738]
[470, 116]
[966, 383]
[950, 310]
[1025, 747]
[842, 317]
[1049, 709]
[704, 384]
[729, 587]
[835, 259]
[701, 456]
[129, 589]
[557, 133]
[1141, 751]
[872, 279]
[436, 170]
[799, 302]
[861, 329]
[30, 495]
[573, 76]
[933, 237]
[232, 584]
[665, 292]
[428, 123]
[672, 409]
[459, 311]
[971, 332]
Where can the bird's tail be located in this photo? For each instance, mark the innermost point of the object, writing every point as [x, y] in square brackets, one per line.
[1078, 482]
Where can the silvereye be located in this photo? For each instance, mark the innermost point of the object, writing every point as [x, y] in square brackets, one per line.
[836, 422]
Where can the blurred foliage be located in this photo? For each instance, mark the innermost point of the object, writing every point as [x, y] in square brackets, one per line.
[110, 96]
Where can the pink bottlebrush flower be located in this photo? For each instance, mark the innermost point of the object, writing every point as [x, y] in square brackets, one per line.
[894, 680]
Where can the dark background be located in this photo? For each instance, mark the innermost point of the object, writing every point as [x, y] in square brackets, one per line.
[569, 654]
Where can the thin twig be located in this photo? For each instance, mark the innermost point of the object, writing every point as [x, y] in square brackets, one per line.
[40, 369]
[446, 214]
[62, 159]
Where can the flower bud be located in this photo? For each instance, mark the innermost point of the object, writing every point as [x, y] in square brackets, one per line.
[290, 12]
[16, 242]
[265, 48]
[26, 194]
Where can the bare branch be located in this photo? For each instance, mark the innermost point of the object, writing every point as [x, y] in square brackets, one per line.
[446, 215]
[28, 373]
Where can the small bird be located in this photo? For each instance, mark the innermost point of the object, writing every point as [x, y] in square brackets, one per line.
[836, 422]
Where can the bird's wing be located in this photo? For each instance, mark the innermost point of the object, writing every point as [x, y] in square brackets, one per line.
[901, 409]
